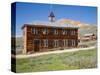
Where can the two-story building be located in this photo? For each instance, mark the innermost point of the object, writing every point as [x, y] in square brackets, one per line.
[50, 35]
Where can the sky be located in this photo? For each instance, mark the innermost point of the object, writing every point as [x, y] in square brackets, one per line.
[30, 12]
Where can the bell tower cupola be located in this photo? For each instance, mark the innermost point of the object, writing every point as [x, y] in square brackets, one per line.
[51, 17]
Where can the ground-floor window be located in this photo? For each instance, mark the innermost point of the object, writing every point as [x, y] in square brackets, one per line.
[45, 42]
[56, 43]
[72, 42]
[64, 42]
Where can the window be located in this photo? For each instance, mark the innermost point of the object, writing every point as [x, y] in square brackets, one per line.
[64, 32]
[34, 31]
[72, 42]
[55, 43]
[45, 43]
[72, 32]
[64, 42]
[55, 31]
[45, 31]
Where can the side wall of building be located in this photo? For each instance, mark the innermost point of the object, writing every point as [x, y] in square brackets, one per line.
[25, 40]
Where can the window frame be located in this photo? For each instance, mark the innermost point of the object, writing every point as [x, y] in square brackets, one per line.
[45, 42]
[72, 42]
[64, 31]
[72, 32]
[45, 31]
[55, 43]
[34, 30]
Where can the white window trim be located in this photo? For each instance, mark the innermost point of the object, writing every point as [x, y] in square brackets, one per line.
[72, 42]
[64, 32]
[64, 42]
[45, 31]
[55, 43]
[72, 33]
[55, 31]
[45, 41]
[34, 31]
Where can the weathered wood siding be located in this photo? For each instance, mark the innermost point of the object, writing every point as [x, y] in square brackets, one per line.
[29, 37]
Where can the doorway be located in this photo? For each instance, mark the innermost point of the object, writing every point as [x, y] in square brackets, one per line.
[36, 45]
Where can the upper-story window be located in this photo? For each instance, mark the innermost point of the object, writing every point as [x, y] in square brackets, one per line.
[55, 31]
[72, 32]
[34, 31]
[45, 43]
[64, 32]
[45, 31]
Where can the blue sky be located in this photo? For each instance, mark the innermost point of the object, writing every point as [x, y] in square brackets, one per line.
[30, 12]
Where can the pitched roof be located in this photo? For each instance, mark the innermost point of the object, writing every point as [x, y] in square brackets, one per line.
[90, 34]
[51, 14]
[52, 24]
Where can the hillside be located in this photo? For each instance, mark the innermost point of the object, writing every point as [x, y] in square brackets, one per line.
[87, 29]
[83, 27]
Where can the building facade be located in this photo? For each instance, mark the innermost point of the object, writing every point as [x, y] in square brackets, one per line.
[51, 36]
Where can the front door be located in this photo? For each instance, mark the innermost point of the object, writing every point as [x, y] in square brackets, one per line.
[36, 45]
